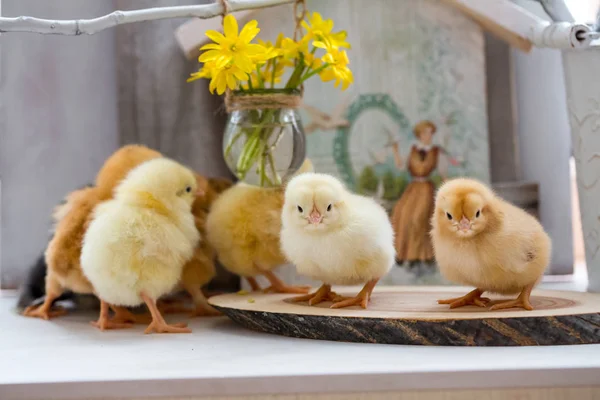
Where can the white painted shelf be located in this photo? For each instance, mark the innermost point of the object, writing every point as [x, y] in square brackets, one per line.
[68, 359]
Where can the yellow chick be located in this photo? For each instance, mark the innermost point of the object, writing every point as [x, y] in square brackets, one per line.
[243, 227]
[137, 244]
[483, 241]
[336, 237]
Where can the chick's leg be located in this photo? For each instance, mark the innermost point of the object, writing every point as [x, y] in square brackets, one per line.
[44, 311]
[104, 322]
[123, 315]
[202, 307]
[362, 298]
[253, 284]
[520, 302]
[158, 323]
[173, 306]
[323, 294]
[471, 298]
[278, 286]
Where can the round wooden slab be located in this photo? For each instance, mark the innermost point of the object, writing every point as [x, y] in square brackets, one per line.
[411, 315]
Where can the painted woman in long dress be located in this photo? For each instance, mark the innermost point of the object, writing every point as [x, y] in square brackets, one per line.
[412, 212]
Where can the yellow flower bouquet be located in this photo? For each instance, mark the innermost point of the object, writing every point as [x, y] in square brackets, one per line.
[254, 74]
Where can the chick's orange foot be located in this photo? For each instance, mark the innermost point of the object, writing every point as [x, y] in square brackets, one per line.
[42, 312]
[104, 323]
[163, 327]
[472, 298]
[362, 298]
[124, 316]
[324, 293]
[158, 323]
[520, 302]
[278, 286]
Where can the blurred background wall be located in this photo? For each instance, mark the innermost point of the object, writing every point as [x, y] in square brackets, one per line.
[69, 102]
[60, 122]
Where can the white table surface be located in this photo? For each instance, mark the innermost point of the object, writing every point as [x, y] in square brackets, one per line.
[67, 358]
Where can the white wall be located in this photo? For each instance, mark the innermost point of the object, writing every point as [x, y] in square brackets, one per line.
[545, 142]
[59, 108]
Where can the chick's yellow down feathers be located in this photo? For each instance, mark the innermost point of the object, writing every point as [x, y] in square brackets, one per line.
[483, 241]
[71, 220]
[244, 226]
[336, 237]
[137, 244]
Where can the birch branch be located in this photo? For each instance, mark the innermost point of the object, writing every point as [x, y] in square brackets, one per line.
[95, 25]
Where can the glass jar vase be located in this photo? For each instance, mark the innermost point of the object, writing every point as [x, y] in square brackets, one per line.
[264, 146]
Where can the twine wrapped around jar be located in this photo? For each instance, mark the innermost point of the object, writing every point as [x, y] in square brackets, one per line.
[253, 100]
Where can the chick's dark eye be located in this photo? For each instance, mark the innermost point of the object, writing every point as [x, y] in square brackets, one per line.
[300, 209]
[449, 216]
[477, 214]
[329, 207]
[188, 189]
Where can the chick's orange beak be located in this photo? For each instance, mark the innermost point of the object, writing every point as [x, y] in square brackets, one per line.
[464, 224]
[315, 217]
[200, 192]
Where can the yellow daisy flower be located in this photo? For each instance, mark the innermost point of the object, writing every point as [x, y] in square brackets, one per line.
[205, 72]
[227, 77]
[268, 51]
[232, 48]
[320, 31]
[337, 68]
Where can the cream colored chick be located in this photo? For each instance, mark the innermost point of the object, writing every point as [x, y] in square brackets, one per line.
[243, 226]
[483, 241]
[137, 244]
[336, 237]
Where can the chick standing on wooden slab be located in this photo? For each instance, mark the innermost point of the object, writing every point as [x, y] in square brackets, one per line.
[63, 253]
[137, 244]
[483, 241]
[243, 226]
[336, 237]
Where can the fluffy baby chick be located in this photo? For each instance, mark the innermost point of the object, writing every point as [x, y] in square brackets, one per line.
[137, 244]
[201, 268]
[63, 253]
[483, 241]
[243, 226]
[336, 237]
[118, 165]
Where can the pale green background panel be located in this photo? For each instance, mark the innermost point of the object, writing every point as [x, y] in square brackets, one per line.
[415, 59]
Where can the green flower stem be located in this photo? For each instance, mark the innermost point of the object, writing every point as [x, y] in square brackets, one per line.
[233, 140]
[250, 153]
[261, 168]
[314, 72]
[256, 146]
[261, 84]
[293, 82]
[250, 82]
[273, 73]
[273, 170]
